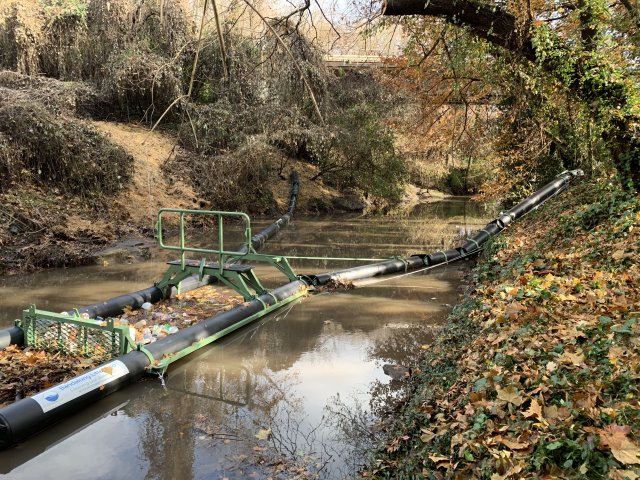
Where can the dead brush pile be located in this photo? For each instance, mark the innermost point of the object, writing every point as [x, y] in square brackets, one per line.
[237, 180]
[143, 71]
[55, 150]
[71, 99]
[218, 127]
[140, 85]
[20, 36]
[131, 52]
[53, 166]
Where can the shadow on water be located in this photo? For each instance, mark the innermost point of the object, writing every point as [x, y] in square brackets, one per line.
[296, 393]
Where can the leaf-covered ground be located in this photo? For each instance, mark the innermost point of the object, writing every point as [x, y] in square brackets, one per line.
[536, 376]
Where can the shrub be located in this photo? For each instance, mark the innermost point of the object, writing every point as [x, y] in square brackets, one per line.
[7, 163]
[57, 151]
[141, 84]
[219, 127]
[233, 181]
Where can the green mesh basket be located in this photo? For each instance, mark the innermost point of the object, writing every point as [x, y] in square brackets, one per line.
[73, 335]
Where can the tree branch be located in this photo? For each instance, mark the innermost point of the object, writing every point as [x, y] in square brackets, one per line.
[223, 50]
[303, 77]
[489, 22]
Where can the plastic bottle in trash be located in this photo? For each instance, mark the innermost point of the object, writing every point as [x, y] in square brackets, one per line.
[146, 306]
[146, 336]
[162, 317]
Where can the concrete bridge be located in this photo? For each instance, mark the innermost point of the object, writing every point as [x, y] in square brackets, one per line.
[356, 61]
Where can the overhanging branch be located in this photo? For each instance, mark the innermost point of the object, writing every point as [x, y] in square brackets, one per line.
[486, 21]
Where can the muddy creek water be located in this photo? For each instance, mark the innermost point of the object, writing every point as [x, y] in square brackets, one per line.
[287, 394]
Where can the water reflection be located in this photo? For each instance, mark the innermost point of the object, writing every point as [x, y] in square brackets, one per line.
[289, 394]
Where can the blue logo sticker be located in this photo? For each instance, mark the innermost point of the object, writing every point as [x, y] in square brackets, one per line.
[53, 397]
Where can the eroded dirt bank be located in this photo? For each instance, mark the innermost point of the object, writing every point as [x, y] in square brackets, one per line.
[71, 186]
[51, 227]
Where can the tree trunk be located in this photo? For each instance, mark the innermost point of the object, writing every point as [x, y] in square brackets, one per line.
[489, 22]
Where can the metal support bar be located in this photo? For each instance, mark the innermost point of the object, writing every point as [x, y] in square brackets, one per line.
[245, 283]
[172, 278]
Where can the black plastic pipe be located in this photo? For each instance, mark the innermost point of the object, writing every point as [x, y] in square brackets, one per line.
[491, 228]
[527, 205]
[116, 305]
[11, 336]
[439, 258]
[260, 238]
[475, 241]
[29, 415]
[471, 245]
[185, 338]
[82, 419]
[367, 271]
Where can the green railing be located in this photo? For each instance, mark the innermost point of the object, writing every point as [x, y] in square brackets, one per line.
[239, 277]
[223, 255]
[227, 270]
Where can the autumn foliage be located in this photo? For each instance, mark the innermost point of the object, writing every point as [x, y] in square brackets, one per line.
[558, 83]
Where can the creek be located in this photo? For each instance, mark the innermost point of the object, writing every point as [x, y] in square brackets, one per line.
[299, 389]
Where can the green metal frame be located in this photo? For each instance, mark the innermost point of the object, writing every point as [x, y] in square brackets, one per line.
[32, 316]
[239, 277]
[246, 283]
[227, 270]
[223, 254]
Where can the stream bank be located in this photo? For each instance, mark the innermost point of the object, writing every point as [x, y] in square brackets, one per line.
[536, 372]
[50, 227]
